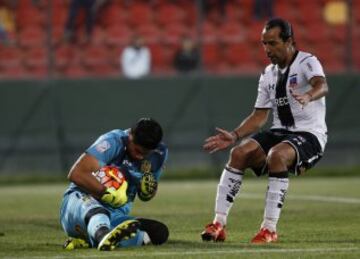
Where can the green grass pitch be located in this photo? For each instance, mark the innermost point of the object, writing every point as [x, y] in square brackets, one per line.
[320, 220]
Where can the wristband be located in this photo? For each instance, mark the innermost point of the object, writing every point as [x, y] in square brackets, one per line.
[237, 137]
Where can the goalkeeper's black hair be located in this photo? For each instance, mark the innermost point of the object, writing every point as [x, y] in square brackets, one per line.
[286, 30]
[147, 133]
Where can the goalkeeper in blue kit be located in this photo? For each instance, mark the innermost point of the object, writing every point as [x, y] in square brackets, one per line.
[95, 216]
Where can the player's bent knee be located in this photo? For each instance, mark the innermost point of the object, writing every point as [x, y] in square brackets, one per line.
[158, 232]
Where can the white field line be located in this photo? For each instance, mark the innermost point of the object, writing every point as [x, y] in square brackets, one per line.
[181, 253]
[317, 198]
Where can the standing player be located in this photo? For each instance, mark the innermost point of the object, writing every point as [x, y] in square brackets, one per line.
[95, 216]
[293, 89]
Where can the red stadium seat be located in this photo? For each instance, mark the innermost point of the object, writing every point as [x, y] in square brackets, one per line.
[93, 56]
[139, 13]
[150, 32]
[11, 57]
[76, 71]
[32, 37]
[209, 32]
[112, 15]
[36, 58]
[29, 17]
[118, 35]
[63, 56]
[173, 33]
[211, 55]
[231, 32]
[169, 13]
[238, 54]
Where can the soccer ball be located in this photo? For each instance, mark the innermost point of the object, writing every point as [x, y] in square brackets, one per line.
[110, 177]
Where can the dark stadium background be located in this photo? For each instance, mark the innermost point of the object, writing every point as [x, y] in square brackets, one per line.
[57, 97]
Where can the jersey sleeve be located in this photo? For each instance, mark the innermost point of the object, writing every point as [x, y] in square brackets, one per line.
[312, 67]
[105, 148]
[263, 98]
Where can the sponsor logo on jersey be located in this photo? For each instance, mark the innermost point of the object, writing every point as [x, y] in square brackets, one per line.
[103, 146]
[145, 166]
[282, 101]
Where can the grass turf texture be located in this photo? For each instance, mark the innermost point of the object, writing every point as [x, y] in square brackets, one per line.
[320, 220]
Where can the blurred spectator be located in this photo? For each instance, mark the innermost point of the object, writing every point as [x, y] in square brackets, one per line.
[263, 9]
[7, 24]
[187, 57]
[135, 59]
[91, 8]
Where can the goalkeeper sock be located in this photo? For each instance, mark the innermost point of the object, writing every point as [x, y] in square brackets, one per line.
[98, 227]
[228, 188]
[275, 197]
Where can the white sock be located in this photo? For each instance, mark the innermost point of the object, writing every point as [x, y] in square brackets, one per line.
[275, 197]
[228, 188]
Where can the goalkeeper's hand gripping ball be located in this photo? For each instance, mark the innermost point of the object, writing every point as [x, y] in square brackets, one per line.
[115, 198]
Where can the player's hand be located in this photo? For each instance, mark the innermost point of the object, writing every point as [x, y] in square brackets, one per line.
[219, 141]
[303, 99]
[148, 187]
[116, 198]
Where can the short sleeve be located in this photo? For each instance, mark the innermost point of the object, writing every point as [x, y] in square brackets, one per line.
[105, 148]
[263, 98]
[312, 67]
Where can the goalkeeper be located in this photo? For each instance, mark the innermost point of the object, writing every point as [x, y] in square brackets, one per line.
[94, 216]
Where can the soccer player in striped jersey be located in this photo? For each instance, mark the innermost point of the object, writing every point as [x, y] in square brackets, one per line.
[293, 89]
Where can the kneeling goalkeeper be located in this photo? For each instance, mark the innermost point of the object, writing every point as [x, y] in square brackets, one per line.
[94, 216]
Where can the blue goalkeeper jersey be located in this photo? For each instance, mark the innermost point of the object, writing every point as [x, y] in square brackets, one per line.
[110, 149]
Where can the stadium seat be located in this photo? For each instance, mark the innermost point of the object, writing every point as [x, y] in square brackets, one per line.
[231, 32]
[173, 33]
[209, 32]
[36, 58]
[118, 35]
[238, 54]
[32, 37]
[93, 56]
[11, 57]
[211, 55]
[76, 71]
[111, 15]
[139, 13]
[169, 13]
[150, 32]
[63, 56]
[29, 17]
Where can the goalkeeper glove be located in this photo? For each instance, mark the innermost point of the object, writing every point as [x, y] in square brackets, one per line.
[148, 187]
[115, 198]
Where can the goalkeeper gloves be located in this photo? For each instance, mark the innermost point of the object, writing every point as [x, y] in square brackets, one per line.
[115, 198]
[148, 187]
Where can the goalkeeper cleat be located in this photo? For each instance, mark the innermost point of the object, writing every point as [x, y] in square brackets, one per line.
[214, 232]
[74, 243]
[123, 231]
[264, 236]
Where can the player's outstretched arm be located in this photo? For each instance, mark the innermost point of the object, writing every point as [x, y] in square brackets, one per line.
[220, 141]
[225, 138]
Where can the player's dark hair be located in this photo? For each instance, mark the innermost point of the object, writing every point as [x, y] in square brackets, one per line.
[286, 30]
[147, 133]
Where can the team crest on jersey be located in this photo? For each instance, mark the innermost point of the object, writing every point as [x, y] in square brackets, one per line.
[145, 166]
[293, 82]
[103, 146]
